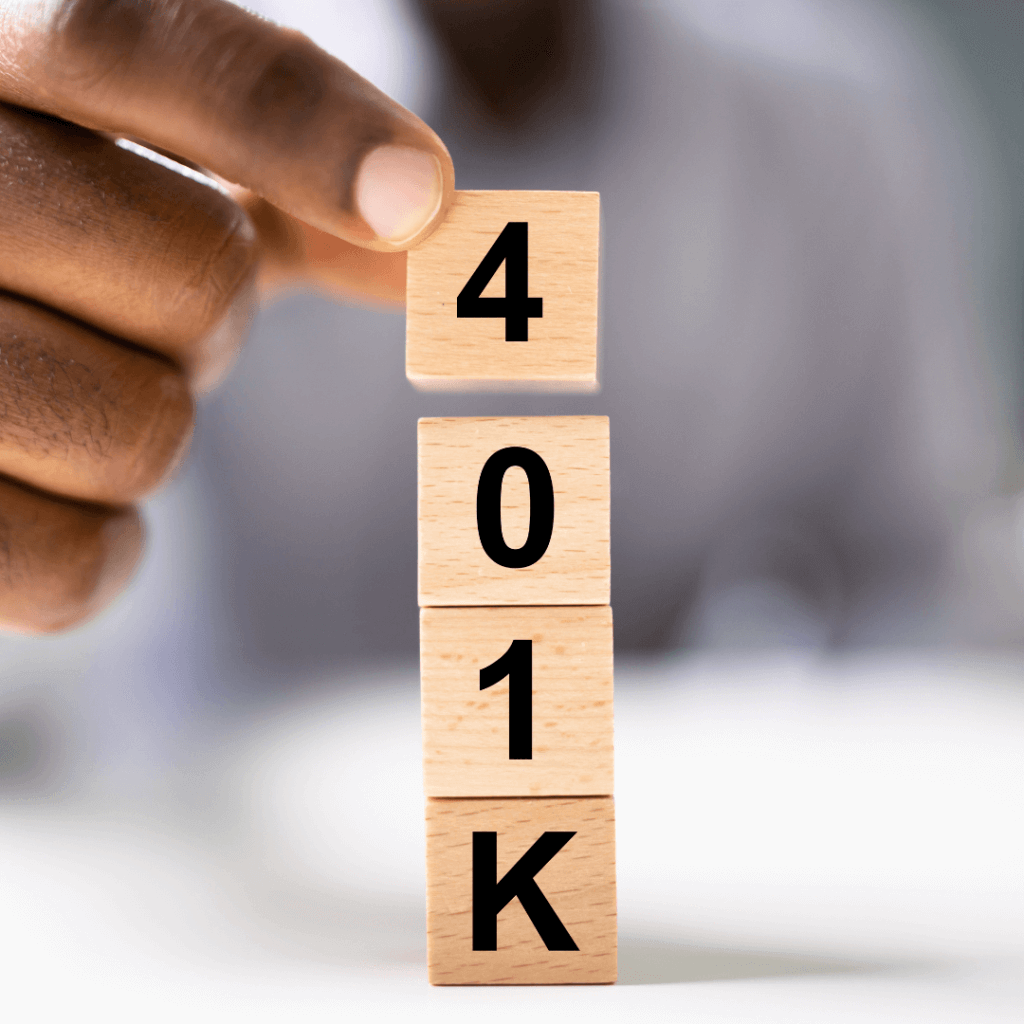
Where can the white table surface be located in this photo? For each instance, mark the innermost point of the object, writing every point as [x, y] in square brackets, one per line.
[798, 840]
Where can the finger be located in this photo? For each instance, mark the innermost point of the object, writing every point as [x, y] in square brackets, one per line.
[296, 255]
[258, 104]
[60, 562]
[123, 243]
[82, 416]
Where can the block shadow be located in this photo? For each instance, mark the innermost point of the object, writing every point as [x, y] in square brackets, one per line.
[656, 961]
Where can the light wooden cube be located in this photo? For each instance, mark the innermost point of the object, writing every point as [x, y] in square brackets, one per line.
[473, 844]
[553, 738]
[575, 564]
[555, 350]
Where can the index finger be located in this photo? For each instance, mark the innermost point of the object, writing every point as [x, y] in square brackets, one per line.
[258, 104]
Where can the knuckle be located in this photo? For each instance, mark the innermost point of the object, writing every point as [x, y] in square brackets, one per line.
[42, 391]
[98, 559]
[219, 347]
[289, 88]
[60, 562]
[226, 258]
[101, 36]
[160, 441]
[207, 252]
[71, 590]
[83, 416]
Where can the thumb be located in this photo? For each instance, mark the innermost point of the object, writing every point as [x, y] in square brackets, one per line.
[257, 104]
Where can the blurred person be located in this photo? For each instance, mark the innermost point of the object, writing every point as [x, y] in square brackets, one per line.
[804, 414]
[804, 411]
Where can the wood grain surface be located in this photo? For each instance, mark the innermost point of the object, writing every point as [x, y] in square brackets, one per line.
[579, 883]
[446, 351]
[466, 730]
[454, 569]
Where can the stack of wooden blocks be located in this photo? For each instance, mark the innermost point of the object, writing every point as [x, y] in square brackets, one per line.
[514, 589]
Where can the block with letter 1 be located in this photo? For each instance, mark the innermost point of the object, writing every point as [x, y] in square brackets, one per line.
[505, 294]
[521, 891]
[517, 701]
[514, 511]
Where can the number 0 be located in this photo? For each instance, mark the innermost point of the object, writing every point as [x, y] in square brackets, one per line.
[488, 507]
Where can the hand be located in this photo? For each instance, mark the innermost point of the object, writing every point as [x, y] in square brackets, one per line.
[126, 286]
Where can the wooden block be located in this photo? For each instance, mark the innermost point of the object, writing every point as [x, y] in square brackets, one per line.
[543, 724]
[550, 340]
[549, 864]
[550, 543]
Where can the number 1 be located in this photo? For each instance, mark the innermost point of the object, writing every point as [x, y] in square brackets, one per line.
[517, 664]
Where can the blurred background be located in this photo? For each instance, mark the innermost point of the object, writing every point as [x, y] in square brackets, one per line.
[813, 358]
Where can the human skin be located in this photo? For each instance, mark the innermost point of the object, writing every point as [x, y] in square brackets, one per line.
[126, 288]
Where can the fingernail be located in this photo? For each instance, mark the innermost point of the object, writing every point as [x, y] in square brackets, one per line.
[398, 191]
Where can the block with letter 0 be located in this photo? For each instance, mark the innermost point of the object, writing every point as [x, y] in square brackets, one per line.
[514, 511]
[521, 891]
[504, 294]
[517, 701]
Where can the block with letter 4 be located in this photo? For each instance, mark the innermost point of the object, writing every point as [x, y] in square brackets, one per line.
[505, 294]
